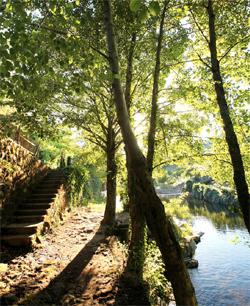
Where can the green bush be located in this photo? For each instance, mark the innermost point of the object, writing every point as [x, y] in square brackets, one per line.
[177, 208]
[77, 180]
[153, 275]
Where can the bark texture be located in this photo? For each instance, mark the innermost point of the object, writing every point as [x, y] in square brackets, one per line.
[231, 138]
[110, 208]
[137, 244]
[129, 71]
[157, 222]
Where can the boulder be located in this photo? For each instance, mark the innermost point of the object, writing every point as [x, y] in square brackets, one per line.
[197, 237]
[188, 247]
[191, 263]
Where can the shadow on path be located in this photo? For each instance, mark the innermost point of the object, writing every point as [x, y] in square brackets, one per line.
[10, 253]
[132, 291]
[68, 278]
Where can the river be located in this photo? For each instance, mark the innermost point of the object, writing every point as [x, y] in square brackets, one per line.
[223, 275]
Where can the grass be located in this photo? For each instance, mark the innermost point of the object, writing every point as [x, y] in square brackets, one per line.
[98, 207]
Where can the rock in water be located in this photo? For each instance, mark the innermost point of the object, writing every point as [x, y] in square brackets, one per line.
[191, 263]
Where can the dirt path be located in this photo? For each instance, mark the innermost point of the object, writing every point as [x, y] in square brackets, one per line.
[75, 265]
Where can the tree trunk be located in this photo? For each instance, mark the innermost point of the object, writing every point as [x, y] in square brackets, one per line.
[129, 71]
[109, 214]
[231, 138]
[154, 106]
[137, 240]
[136, 244]
[157, 222]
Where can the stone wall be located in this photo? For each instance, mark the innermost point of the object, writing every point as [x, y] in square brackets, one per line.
[19, 170]
[214, 198]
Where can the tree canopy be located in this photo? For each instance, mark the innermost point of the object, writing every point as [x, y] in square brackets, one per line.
[163, 79]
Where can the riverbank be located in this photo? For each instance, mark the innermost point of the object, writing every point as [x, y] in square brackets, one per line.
[179, 211]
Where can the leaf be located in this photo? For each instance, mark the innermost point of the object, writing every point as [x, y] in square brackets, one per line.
[154, 8]
[8, 7]
[53, 10]
[143, 15]
[134, 5]
[78, 2]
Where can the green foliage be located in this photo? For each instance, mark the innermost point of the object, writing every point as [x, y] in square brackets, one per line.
[143, 9]
[177, 208]
[134, 5]
[169, 175]
[137, 257]
[53, 72]
[154, 8]
[153, 274]
[94, 184]
[84, 184]
[97, 206]
[153, 267]
[77, 186]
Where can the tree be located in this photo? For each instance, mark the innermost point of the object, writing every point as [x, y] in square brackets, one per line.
[232, 35]
[153, 209]
[154, 106]
[231, 138]
[91, 109]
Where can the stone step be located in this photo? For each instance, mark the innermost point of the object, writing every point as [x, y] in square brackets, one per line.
[46, 189]
[42, 195]
[52, 179]
[30, 212]
[20, 228]
[17, 240]
[44, 192]
[39, 200]
[31, 205]
[47, 186]
[51, 174]
[28, 218]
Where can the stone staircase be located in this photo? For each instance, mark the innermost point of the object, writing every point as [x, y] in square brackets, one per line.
[30, 215]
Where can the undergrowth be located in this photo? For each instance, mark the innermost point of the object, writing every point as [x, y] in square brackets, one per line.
[178, 208]
[77, 186]
[153, 275]
[160, 289]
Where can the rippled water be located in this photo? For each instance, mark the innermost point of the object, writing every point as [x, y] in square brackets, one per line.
[223, 275]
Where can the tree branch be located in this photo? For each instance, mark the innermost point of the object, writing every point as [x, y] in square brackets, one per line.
[198, 26]
[99, 144]
[192, 156]
[100, 52]
[203, 61]
[232, 46]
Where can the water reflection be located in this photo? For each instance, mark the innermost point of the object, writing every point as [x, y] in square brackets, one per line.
[220, 220]
[223, 276]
